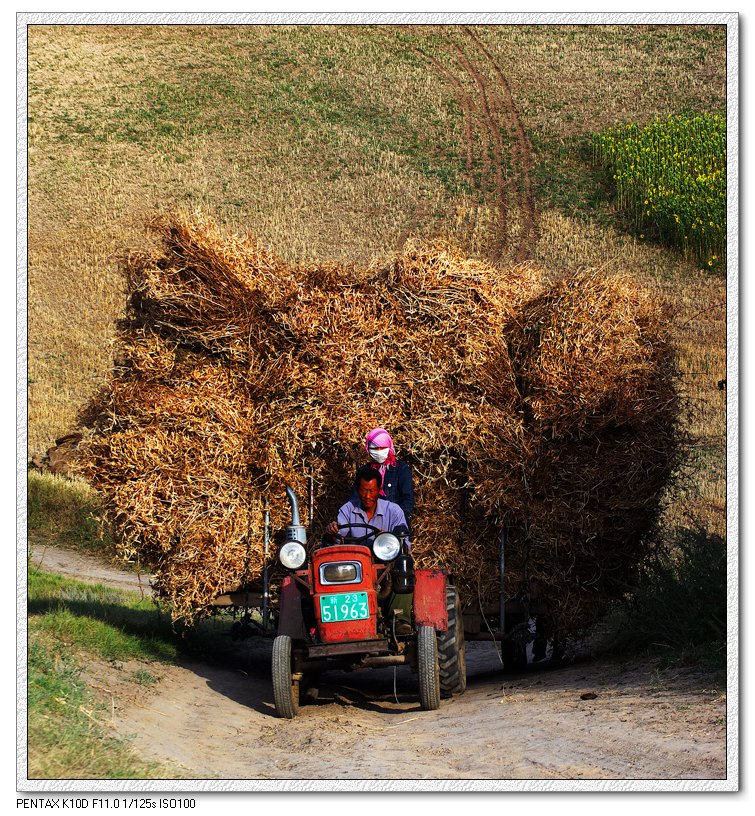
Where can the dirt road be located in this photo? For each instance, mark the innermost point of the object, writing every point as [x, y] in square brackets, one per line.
[592, 720]
[214, 723]
[79, 565]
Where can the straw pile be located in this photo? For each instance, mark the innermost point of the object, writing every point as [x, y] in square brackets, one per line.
[549, 410]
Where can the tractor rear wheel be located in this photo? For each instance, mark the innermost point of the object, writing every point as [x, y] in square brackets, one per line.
[285, 687]
[427, 668]
[451, 652]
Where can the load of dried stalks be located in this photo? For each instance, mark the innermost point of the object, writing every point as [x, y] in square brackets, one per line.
[551, 411]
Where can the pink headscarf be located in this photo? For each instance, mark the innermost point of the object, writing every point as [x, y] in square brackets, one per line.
[380, 438]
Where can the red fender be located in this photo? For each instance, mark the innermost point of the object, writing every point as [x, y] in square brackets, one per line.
[291, 619]
[430, 599]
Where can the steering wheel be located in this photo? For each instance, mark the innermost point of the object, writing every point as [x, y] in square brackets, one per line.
[371, 530]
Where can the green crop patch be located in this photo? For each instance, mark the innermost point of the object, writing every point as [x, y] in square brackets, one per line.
[670, 174]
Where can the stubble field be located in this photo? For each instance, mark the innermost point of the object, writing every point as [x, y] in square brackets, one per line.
[339, 142]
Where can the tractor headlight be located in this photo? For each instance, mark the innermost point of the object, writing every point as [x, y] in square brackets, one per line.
[386, 546]
[341, 572]
[292, 555]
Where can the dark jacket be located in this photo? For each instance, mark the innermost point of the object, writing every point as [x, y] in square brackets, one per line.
[398, 488]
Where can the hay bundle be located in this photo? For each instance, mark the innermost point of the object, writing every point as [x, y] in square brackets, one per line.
[600, 441]
[549, 410]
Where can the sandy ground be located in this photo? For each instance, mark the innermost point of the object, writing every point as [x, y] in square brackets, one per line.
[597, 719]
[211, 722]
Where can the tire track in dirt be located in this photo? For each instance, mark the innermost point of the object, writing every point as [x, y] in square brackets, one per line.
[467, 105]
[494, 138]
[486, 110]
[474, 130]
[211, 722]
[521, 152]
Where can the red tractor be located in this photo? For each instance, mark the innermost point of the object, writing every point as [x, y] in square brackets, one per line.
[335, 613]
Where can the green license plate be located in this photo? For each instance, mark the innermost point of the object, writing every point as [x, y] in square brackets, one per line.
[345, 606]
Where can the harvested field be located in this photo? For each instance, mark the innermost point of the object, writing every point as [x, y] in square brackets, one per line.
[548, 409]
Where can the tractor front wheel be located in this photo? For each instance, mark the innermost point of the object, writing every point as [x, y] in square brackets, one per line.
[285, 687]
[427, 667]
[451, 652]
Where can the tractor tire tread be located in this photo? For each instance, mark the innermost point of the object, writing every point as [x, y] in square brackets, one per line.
[451, 649]
[427, 665]
[285, 690]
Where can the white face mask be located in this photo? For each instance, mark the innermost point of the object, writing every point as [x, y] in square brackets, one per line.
[379, 455]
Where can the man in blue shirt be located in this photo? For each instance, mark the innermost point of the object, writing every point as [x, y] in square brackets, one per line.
[370, 509]
[387, 517]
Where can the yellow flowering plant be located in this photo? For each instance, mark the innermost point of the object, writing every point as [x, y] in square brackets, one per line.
[670, 173]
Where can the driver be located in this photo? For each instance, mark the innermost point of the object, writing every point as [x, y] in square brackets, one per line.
[388, 517]
[369, 509]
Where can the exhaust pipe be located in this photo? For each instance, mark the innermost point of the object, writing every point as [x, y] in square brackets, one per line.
[294, 502]
[295, 531]
[311, 502]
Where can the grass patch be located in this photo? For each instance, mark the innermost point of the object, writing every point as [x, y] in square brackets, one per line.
[113, 624]
[72, 624]
[99, 620]
[107, 623]
[63, 512]
[677, 605]
[565, 179]
[68, 736]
